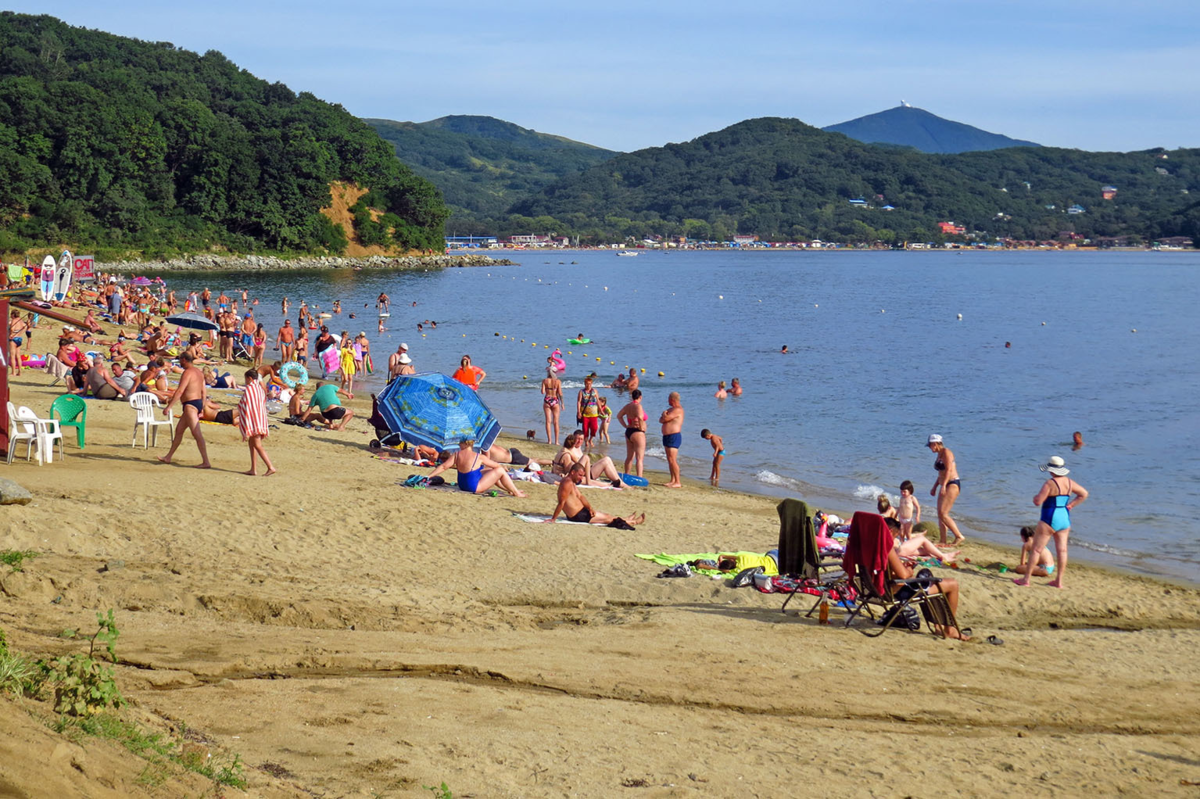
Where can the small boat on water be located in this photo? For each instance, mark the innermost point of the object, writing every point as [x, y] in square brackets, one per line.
[627, 254]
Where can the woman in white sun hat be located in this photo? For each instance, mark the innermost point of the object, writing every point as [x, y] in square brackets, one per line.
[1059, 495]
[946, 489]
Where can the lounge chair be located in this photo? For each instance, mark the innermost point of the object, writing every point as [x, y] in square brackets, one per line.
[866, 564]
[800, 559]
[56, 368]
[71, 411]
[146, 404]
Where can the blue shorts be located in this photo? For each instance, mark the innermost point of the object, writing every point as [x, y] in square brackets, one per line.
[672, 440]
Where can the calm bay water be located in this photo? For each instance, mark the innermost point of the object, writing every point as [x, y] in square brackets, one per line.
[879, 362]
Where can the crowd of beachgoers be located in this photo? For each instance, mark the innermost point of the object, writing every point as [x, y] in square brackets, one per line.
[172, 349]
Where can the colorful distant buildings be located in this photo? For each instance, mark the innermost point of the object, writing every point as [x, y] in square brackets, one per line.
[1108, 192]
[951, 229]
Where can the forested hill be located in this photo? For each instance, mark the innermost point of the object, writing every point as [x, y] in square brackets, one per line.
[905, 126]
[483, 164]
[783, 180]
[140, 146]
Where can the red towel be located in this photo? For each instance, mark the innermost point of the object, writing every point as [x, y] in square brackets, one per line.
[868, 545]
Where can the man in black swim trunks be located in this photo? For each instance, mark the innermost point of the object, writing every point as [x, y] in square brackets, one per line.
[213, 413]
[575, 506]
[190, 393]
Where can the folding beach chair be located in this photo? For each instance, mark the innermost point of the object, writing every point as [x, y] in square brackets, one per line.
[386, 438]
[800, 559]
[866, 565]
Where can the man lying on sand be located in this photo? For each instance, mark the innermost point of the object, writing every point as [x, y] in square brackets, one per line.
[575, 506]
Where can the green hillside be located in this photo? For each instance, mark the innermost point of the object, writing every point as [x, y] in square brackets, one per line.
[483, 164]
[781, 179]
[905, 126]
[140, 146]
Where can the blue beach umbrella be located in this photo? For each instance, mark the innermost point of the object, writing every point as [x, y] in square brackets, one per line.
[191, 321]
[438, 411]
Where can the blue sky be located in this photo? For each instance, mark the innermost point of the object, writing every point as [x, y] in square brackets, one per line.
[1100, 75]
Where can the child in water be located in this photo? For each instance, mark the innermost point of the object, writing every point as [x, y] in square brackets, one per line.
[909, 511]
[718, 446]
[605, 419]
[721, 392]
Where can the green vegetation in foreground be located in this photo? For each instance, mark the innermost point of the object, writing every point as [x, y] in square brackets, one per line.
[120, 145]
[86, 697]
[13, 558]
[783, 180]
[483, 164]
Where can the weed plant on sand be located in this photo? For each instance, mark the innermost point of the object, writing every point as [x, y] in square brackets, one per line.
[13, 558]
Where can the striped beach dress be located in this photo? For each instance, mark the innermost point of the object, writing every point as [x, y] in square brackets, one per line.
[252, 411]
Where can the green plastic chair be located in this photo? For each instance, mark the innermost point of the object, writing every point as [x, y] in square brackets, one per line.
[71, 411]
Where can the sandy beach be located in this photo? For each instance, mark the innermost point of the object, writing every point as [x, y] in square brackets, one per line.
[359, 638]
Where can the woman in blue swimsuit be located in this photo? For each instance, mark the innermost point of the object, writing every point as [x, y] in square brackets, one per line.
[477, 472]
[1059, 495]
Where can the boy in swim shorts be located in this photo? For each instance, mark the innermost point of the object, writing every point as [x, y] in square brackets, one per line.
[718, 445]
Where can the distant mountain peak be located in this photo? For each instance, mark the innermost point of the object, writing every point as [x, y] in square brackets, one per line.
[909, 126]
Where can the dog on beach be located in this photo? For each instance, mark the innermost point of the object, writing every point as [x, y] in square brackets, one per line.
[531, 434]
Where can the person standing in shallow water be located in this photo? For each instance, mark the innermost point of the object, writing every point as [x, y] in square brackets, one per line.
[946, 489]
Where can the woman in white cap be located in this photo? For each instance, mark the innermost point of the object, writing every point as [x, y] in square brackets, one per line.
[1059, 495]
[946, 489]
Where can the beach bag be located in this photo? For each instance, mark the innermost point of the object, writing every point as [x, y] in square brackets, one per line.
[909, 618]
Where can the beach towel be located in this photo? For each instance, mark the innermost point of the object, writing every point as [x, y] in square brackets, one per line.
[798, 553]
[868, 546]
[540, 518]
[252, 410]
[663, 559]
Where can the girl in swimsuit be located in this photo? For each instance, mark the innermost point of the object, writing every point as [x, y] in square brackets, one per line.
[633, 417]
[477, 472]
[551, 403]
[17, 330]
[949, 486]
[1058, 497]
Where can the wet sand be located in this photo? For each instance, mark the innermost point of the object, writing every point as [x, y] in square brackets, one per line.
[372, 639]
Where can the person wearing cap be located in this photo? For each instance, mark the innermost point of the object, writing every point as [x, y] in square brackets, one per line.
[946, 489]
[1058, 496]
[396, 360]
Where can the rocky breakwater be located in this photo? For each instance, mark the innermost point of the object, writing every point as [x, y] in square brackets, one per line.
[243, 263]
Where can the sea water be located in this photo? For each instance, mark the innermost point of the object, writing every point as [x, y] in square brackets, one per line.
[879, 360]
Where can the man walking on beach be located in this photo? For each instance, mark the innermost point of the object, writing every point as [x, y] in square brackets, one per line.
[191, 393]
[672, 433]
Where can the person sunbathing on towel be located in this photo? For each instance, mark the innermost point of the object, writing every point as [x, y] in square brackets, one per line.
[477, 473]
[898, 570]
[917, 545]
[572, 453]
[575, 507]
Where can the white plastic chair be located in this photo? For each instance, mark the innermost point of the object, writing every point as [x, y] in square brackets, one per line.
[20, 430]
[146, 404]
[47, 432]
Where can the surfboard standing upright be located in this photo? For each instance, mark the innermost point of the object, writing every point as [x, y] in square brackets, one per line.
[48, 268]
[62, 277]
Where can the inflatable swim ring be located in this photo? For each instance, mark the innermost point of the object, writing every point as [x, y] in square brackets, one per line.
[559, 364]
[578, 341]
[293, 374]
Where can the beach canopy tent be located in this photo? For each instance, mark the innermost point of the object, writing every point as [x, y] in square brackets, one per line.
[438, 411]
